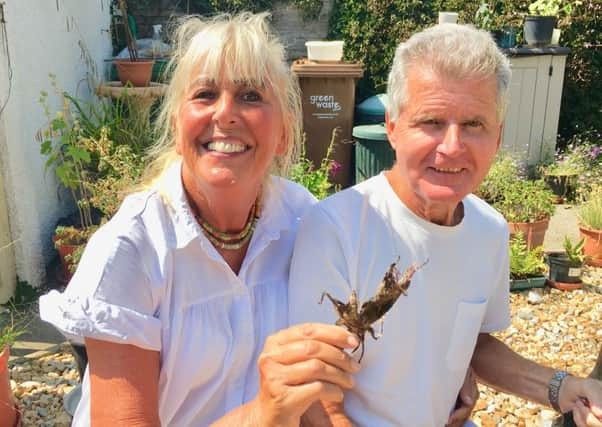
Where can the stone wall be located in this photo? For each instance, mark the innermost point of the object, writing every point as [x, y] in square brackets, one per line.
[287, 22]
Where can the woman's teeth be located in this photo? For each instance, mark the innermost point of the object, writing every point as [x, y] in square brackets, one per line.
[226, 147]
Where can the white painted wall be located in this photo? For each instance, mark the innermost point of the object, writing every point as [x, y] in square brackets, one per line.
[43, 37]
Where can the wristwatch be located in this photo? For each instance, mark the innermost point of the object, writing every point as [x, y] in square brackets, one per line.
[554, 388]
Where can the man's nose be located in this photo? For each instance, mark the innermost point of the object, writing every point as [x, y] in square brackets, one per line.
[451, 144]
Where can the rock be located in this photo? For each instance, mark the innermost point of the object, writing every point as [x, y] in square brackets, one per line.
[535, 296]
[525, 313]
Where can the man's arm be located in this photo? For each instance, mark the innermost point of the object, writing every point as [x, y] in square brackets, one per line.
[499, 366]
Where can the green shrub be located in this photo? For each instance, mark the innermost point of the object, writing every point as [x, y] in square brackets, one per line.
[590, 214]
[502, 175]
[316, 180]
[372, 29]
[525, 263]
[574, 252]
[526, 201]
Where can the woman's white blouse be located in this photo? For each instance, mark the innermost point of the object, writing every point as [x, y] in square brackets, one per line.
[150, 278]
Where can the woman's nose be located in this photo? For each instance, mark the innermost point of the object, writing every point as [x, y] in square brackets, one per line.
[226, 111]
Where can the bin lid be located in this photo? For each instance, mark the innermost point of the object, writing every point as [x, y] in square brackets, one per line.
[374, 106]
[307, 68]
[373, 132]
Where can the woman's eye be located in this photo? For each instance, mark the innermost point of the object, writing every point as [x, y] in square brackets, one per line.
[205, 94]
[251, 96]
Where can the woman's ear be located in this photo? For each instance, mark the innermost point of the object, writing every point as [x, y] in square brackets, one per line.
[282, 144]
[174, 129]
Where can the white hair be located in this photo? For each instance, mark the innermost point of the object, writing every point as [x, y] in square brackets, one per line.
[449, 50]
[227, 47]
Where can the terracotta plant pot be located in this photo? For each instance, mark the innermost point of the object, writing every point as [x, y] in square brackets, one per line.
[138, 73]
[534, 232]
[593, 245]
[563, 286]
[63, 251]
[8, 411]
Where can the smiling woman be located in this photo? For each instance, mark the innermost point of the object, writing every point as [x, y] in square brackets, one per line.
[179, 293]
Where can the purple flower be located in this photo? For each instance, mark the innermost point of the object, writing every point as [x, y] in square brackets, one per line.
[595, 152]
[334, 168]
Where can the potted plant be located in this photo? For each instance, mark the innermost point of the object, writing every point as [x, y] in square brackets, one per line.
[527, 266]
[590, 228]
[539, 25]
[134, 71]
[527, 206]
[563, 173]
[9, 414]
[70, 241]
[64, 143]
[565, 267]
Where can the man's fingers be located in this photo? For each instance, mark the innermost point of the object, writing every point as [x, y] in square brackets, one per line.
[330, 334]
[459, 416]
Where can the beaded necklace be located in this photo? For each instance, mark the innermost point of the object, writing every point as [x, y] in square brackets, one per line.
[230, 241]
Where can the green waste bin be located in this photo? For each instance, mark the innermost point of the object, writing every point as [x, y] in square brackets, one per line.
[371, 110]
[373, 153]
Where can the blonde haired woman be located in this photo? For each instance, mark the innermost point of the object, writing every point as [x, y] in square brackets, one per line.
[182, 296]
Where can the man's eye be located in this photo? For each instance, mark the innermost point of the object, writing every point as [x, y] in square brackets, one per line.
[473, 123]
[431, 122]
[251, 96]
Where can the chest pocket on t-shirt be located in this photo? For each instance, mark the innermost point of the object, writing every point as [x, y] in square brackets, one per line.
[467, 324]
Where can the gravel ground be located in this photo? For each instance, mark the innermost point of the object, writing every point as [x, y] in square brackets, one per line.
[559, 329]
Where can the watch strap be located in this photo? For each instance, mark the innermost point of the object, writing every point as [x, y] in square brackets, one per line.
[554, 389]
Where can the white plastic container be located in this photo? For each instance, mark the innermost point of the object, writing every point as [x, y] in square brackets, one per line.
[448, 17]
[331, 51]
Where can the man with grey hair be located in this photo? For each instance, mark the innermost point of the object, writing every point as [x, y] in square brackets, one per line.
[447, 95]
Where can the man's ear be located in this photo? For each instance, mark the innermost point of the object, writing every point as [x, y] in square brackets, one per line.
[390, 127]
[499, 137]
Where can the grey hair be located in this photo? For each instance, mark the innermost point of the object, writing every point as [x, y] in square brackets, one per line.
[450, 50]
[228, 47]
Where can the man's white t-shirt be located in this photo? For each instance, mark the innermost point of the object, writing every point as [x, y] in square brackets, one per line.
[410, 376]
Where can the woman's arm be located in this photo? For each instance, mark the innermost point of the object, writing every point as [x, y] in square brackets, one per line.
[124, 382]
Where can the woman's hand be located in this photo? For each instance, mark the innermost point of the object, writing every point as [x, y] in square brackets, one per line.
[300, 365]
[467, 398]
[583, 396]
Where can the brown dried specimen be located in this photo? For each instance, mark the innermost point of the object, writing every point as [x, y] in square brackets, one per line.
[389, 290]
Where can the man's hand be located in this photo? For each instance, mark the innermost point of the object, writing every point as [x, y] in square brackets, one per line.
[467, 398]
[583, 396]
